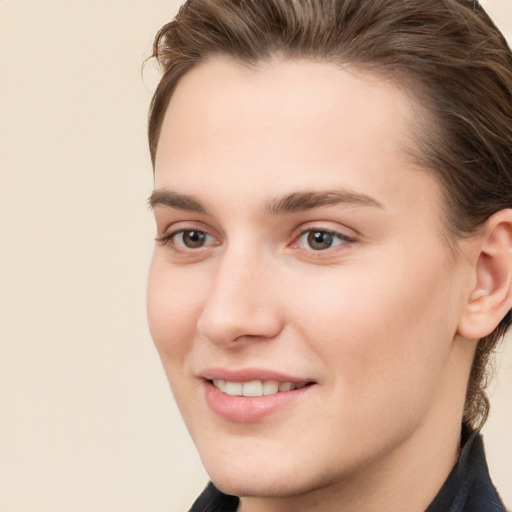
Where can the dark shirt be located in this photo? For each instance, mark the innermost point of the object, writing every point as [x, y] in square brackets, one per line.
[468, 488]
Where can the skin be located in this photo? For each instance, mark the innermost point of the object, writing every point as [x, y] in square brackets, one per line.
[375, 320]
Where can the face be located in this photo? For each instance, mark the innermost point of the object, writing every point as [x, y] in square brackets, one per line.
[301, 296]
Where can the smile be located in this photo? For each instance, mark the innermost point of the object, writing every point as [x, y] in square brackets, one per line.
[256, 387]
[246, 395]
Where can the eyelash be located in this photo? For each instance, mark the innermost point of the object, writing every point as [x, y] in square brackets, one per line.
[169, 239]
[332, 236]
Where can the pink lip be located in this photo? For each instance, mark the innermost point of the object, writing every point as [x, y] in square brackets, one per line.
[243, 409]
[248, 374]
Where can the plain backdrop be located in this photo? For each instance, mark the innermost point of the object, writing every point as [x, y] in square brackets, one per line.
[87, 422]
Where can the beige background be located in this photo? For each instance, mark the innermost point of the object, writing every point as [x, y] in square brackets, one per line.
[87, 422]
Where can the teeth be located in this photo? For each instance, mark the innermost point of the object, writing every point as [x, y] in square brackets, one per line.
[286, 386]
[220, 384]
[270, 387]
[255, 387]
[234, 388]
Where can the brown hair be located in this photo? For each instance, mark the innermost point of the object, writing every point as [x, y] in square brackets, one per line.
[447, 53]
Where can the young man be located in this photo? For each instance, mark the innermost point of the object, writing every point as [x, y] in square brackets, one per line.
[333, 183]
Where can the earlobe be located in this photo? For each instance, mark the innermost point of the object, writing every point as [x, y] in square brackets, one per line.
[491, 298]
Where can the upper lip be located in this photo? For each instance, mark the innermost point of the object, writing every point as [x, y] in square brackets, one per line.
[249, 374]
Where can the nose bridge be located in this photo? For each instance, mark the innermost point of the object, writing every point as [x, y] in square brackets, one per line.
[240, 302]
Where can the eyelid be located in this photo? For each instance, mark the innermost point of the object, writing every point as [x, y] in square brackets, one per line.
[324, 227]
[170, 233]
[338, 237]
[170, 227]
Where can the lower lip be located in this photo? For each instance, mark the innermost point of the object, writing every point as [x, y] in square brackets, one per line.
[243, 409]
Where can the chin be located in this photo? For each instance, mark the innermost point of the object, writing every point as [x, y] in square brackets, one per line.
[273, 475]
[247, 486]
[255, 484]
[247, 474]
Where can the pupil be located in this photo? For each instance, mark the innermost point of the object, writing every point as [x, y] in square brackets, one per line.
[319, 240]
[193, 239]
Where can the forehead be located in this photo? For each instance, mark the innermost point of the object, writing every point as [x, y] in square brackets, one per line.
[284, 100]
[287, 124]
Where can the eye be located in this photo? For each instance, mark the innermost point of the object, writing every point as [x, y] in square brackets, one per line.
[320, 240]
[192, 239]
[187, 239]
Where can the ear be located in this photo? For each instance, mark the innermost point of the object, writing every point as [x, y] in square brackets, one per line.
[490, 298]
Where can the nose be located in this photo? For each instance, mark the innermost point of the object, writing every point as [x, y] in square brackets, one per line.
[241, 304]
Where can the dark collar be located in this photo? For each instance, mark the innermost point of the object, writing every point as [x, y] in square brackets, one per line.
[212, 500]
[467, 489]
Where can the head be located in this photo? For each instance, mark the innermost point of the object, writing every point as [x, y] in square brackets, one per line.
[447, 54]
[446, 72]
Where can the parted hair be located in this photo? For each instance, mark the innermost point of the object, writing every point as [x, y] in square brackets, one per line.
[447, 54]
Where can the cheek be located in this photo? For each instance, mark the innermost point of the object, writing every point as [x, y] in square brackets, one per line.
[380, 336]
[173, 309]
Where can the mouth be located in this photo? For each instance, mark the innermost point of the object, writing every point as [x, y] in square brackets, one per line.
[255, 388]
[249, 396]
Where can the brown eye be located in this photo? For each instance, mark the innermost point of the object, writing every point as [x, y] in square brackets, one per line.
[185, 240]
[321, 240]
[192, 239]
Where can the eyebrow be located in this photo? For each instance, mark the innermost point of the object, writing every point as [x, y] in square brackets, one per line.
[303, 201]
[290, 203]
[175, 200]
